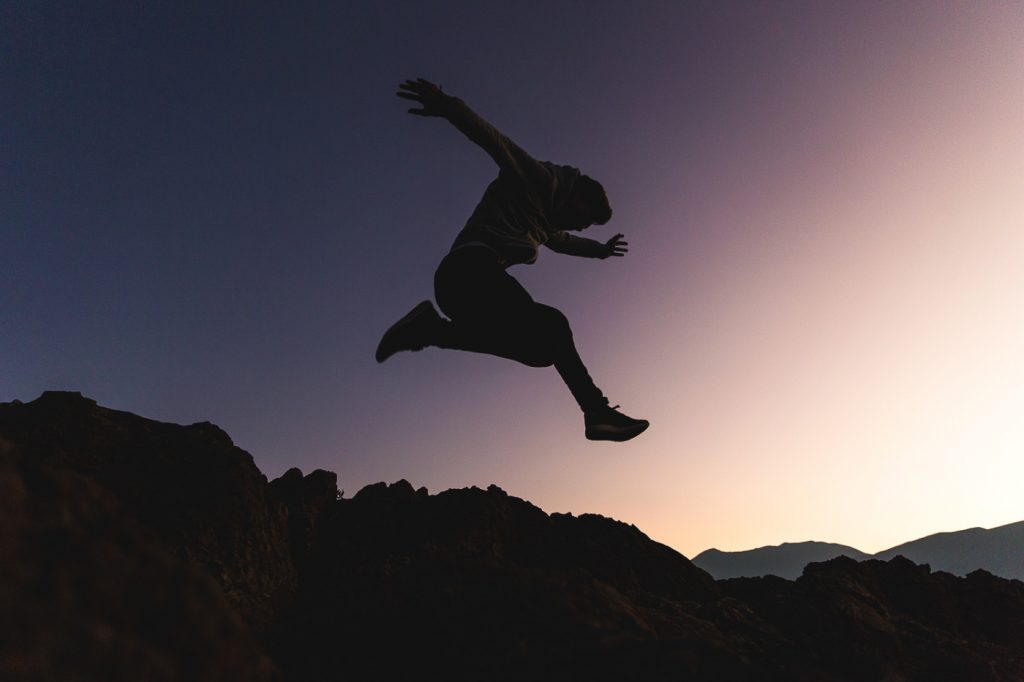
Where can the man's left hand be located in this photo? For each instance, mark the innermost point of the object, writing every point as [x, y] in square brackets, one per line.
[616, 247]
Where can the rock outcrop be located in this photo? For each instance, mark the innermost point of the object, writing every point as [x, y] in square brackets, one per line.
[477, 584]
[87, 592]
[306, 498]
[201, 495]
[136, 549]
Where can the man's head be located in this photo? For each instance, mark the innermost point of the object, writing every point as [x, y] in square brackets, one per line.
[586, 205]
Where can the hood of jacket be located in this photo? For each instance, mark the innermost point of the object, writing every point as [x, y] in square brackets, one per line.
[563, 180]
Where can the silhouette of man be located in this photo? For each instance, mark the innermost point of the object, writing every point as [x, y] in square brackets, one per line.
[529, 204]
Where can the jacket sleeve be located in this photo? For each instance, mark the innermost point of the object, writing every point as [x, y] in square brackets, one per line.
[511, 159]
[570, 244]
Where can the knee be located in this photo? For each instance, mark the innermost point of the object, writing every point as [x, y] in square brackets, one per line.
[549, 336]
[554, 323]
[538, 357]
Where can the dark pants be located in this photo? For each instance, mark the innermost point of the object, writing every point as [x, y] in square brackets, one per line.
[492, 313]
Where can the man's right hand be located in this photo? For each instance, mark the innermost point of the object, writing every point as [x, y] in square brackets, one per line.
[428, 95]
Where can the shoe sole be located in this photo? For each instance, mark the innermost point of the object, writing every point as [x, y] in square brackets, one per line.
[614, 433]
[383, 354]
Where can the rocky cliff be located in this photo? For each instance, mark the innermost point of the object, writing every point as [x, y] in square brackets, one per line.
[136, 549]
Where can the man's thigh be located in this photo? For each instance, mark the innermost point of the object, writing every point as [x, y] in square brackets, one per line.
[524, 333]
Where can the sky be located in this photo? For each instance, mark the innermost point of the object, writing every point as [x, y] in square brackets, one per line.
[212, 211]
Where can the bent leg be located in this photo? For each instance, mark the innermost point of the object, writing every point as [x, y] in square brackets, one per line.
[556, 336]
[538, 336]
[492, 313]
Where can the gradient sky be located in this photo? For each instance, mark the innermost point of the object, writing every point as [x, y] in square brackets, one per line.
[213, 213]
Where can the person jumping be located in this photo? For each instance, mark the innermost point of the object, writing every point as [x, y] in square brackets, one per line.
[530, 203]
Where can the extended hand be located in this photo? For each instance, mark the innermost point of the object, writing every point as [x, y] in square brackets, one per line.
[616, 246]
[428, 95]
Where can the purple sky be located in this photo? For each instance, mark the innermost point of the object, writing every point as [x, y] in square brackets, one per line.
[213, 214]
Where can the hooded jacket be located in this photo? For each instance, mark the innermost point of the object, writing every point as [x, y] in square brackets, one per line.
[517, 212]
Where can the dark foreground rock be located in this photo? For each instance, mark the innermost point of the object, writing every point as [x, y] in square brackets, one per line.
[87, 592]
[203, 497]
[133, 549]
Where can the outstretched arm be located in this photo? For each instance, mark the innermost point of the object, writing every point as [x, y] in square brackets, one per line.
[570, 244]
[506, 153]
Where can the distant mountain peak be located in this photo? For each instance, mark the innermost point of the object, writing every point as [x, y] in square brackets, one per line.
[786, 560]
[999, 551]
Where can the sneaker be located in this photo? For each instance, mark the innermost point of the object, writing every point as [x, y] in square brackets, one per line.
[608, 423]
[413, 332]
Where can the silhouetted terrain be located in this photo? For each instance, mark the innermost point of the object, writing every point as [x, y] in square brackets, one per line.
[999, 551]
[134, 549]
[785, 561]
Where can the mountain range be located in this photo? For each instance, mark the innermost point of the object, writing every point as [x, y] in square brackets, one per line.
[136, 549]
[999, 551]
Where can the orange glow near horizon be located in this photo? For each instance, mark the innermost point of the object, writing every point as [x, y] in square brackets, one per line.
[853, 362]
[864, 378]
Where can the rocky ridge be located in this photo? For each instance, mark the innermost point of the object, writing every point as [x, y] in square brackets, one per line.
[132, 545]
